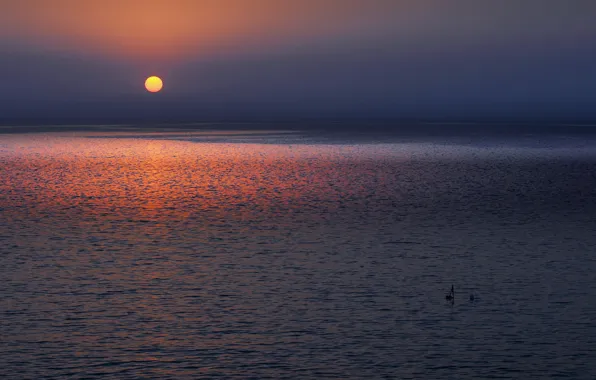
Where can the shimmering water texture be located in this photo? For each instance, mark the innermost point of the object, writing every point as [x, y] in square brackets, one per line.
[277, 256]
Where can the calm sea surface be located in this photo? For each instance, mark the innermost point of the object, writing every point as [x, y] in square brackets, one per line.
[279, 255]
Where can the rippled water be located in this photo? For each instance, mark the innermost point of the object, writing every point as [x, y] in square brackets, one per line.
[190, 256]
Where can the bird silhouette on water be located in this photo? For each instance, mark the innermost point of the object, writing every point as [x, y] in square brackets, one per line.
[451, 295]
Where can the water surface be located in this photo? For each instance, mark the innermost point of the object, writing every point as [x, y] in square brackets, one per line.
[283, 255]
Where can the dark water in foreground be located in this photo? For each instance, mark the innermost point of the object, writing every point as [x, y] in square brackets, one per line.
[179, 257]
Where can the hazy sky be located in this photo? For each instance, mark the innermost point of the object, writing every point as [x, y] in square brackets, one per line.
[218, 58]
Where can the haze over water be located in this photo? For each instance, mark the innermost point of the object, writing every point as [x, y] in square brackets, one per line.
[288, 255]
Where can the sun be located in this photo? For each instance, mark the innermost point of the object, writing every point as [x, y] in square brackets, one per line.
[154, 84]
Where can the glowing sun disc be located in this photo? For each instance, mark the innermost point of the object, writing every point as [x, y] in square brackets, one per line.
[154, 84]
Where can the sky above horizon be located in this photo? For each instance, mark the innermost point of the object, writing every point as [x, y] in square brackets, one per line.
[365, 58]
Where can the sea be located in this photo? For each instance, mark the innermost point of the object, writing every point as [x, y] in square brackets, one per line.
[164, 253]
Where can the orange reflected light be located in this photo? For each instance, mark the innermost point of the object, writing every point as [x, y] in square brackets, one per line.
[154, 84]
